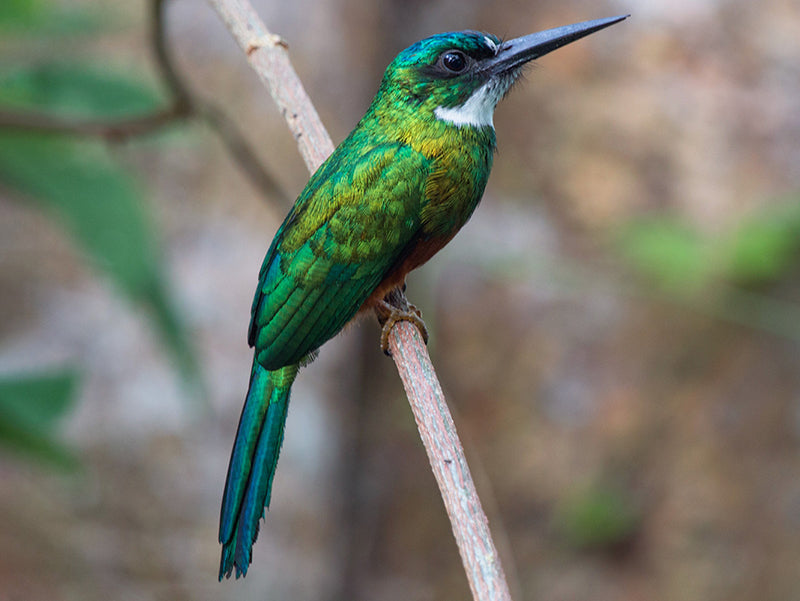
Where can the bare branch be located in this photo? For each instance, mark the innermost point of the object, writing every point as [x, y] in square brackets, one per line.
[113, 130]
[267, 54]
[179, 90]
[448, 462]
[213, 116]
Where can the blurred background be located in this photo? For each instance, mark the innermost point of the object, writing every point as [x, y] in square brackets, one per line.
[617, 328]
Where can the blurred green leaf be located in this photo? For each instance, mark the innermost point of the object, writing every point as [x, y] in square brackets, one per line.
[16, 13]
[79, 183]
[29, 410]
[33, 17]
[101, 205]
[38, 401]
[97, 201]
[598, 517]
[76, 90]
[763, 248]
[668, 252]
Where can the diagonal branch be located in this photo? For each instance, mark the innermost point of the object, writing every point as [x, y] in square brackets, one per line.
[268, 55]
[183, 99]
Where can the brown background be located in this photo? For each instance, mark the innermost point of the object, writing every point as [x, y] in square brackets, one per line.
[574, 382]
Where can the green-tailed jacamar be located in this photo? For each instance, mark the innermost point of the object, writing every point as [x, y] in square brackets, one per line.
[389, 197]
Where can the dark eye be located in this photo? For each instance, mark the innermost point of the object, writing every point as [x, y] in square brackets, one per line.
[454, 61]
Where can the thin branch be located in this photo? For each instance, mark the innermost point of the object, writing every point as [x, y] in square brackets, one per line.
[115, 130]
[118, 130]
[213, 116]
[183, 105]
[267, 54]
[448, 462]
[177, 87]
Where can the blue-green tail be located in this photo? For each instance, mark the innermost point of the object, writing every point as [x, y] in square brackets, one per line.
[252, 465]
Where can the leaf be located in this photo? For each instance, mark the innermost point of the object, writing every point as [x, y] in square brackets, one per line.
[76, 90]
[95, 200]
[30, 407]
[675, 257]
[38, 401]
[78, 183]
[599, 517]
[39, 17]
[763, 248]
[19, 13]
[102, 207]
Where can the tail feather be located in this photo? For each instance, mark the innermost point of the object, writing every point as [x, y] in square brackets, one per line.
[252, 466]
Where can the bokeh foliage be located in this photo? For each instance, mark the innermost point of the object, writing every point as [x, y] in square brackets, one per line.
[732, 274]
[79, 183]
[760, 250]
[30, 407]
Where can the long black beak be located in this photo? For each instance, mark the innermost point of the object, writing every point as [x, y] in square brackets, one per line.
[513, 53]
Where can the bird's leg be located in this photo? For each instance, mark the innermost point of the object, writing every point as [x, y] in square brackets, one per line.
[395, 307]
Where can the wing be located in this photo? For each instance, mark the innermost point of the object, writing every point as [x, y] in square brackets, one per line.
[343, 235]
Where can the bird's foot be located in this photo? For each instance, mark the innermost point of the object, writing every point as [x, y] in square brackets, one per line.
[393, 308]
[412, 315]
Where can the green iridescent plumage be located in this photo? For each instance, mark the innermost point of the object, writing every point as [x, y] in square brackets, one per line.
[389, 197]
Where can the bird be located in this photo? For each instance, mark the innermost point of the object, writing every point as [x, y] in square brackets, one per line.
[391, 195]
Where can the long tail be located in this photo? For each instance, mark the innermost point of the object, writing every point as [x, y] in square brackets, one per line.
[252, 465]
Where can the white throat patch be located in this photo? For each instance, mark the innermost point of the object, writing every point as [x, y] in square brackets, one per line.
[477, 111]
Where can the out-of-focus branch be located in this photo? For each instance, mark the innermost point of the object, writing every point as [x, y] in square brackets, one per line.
[183, 105]
[213, 116]
[181, 96]
[267, 54]
[115, 130]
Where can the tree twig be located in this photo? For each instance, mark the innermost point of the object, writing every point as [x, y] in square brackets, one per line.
[183, 104]
[267, 54]
[219, 122]
[115, 130]
[181, 95]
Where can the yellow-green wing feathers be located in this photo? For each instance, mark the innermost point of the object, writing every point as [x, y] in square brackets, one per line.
[342, 237]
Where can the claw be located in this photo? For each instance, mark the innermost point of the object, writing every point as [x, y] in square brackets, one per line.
[413, 315]
[396, 308]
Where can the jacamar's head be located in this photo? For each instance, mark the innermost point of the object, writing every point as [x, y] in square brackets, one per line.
[459, 77]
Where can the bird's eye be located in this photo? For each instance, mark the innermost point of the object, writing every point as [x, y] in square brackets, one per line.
[454, 61]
